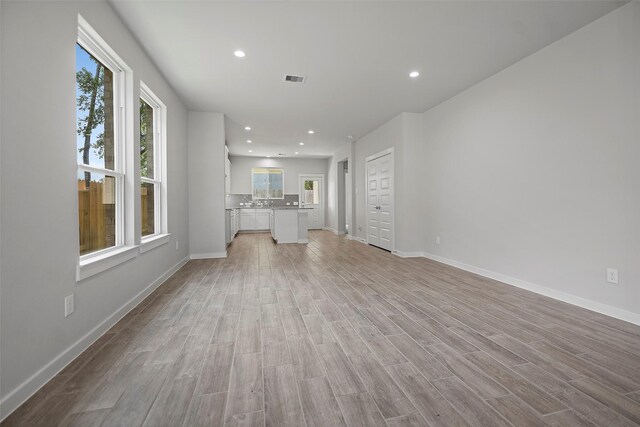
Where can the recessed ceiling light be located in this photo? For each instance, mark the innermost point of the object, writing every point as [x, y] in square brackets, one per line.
[268, 157]
[310, 132]
[296, 153]
[239, 53]
[414, 74]
[247, 128]
[249, 141]
[302, 143]
[251, 151]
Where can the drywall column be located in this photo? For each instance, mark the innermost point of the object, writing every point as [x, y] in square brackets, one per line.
[206, 185]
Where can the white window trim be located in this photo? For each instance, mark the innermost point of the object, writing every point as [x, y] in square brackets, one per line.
[124, 249]
[161, 235]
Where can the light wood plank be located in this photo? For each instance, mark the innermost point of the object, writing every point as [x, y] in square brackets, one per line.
[343, 377]
[217, 369]
[206, 410]
[468, 404]
[282, 406]
[246, 387]
[319, 404]
[431, 404]
[360, 410]
[305, 360]
[387, 395]
[516, 411]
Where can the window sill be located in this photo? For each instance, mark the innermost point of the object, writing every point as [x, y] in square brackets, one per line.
[154, 241]
[98, 264]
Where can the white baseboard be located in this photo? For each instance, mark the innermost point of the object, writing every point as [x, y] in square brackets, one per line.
[334, 231]
[28, 388]
[598, 307]
[356, 238]
[403, 254]
[303, 240]
[209, 255]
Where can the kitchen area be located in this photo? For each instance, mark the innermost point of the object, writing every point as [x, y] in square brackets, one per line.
[264, 195]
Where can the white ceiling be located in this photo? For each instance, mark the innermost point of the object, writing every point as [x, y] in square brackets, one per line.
[356, 56]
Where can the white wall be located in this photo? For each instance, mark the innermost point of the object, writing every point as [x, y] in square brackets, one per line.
[345, 153]
[409, 178]
[386, 136]
[206, 185]
[534, 173]
[241, 171]
[39, 198]
[404, 134]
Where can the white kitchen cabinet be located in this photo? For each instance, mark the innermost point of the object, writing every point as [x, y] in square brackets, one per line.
[254, 219]
[289, 225]
[247, 219]
[262, 219]
[272, 224]
[235, 221]
[227, 226]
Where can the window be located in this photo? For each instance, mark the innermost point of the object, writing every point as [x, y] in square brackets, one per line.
[267, 183]
[152, 191]
[311, 193]
[104, 144]
[99, 153]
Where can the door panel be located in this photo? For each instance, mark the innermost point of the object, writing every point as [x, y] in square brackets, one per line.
[380, 202]
[312, 197]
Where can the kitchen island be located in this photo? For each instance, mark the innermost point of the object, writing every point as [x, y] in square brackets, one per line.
[289, 225]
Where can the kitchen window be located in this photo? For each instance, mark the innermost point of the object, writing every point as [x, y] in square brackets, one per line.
[267, 183]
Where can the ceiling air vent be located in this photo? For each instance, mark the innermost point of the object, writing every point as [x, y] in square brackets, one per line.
[291, 78]
[282, 154]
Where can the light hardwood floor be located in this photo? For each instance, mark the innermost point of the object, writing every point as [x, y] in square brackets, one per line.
[338, 333]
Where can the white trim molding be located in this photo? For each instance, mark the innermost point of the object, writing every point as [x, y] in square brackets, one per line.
[357, 239]
[403, 254]
[333, 230]
[154, 241]
[588, 304]
[209, 255]
[104, 261]
[28, 388]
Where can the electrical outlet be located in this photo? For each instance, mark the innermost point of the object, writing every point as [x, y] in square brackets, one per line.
[612, 275]
[177, 245]
[68, 305]
[437, 240]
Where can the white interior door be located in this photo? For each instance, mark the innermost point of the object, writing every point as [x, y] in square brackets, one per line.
[380, 201]
[312, 198]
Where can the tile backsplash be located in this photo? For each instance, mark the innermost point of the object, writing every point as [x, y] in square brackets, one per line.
[245, 200]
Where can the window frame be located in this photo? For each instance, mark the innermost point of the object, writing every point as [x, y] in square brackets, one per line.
[124, 248]
[159, 180]
[253, 197]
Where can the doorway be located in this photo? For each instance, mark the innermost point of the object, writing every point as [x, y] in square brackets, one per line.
[380, 201]
[312, 198]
